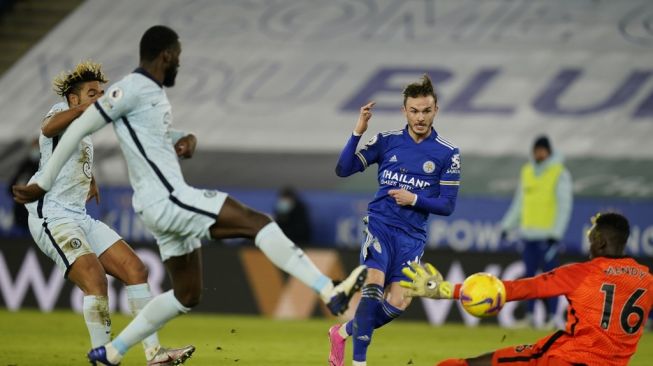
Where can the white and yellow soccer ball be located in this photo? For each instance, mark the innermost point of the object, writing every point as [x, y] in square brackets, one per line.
[482, 295]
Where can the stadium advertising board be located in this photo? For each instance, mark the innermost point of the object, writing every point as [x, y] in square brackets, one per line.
[254, 286]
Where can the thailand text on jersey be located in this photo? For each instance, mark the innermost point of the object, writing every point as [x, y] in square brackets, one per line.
[429, 169]
[70, 189]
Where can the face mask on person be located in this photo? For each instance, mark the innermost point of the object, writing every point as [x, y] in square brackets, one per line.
[285, 205]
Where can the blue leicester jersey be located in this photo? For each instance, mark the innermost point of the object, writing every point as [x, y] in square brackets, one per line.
[430, 169]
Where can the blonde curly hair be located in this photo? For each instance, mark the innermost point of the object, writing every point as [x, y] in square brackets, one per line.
[88, 70]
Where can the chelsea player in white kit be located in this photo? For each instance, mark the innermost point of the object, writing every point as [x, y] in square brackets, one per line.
[177, 214]
[418, 175]
[84, 248]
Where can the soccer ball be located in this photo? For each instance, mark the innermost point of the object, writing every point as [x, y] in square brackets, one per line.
[482, 295]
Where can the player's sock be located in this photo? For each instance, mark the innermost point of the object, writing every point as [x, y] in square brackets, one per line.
[453, 362]
[154, 315]
[385, 315]
[97, 318]
[137, 297]
[346, 329]
[290, 258]
[371, 301]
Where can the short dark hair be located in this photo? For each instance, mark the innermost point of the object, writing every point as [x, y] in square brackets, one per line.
[156, 40]
[614, 228]
[543, 142]
[422, 88]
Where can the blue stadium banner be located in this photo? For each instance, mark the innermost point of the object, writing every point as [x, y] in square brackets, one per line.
[336, 220]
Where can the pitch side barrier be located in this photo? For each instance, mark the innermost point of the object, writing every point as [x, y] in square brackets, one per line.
[336, 220]
[29, 280]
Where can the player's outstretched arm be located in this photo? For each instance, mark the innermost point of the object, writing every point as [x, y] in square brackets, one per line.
[89, 122]
[348, 162]
[57, 123]
[561, 281]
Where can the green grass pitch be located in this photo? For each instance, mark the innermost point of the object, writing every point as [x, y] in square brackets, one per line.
[60, 338]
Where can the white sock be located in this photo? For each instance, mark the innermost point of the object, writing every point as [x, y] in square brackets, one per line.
[290, 258]
[137, 297]
[153, 316]
[342, 331]
[97, 318]
[359, 363]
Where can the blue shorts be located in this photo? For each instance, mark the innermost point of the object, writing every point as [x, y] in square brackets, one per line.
[388, 250]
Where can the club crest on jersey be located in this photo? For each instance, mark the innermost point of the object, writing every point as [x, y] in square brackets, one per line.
[371, 142]
[209, 194]
[429, 167]
[75, 243]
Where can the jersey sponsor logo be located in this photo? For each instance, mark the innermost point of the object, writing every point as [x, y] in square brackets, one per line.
[393, 159]
[429, 167]
[454, 168]
[390, 178]
[87, 154]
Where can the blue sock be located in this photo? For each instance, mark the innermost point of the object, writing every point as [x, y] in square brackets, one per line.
[385, 314]
[364, 321]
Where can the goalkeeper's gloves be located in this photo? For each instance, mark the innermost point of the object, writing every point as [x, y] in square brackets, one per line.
[427, 282]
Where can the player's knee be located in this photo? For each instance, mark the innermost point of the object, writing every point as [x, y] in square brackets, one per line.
[257, 221]
[94, 283]
[190, 298]
[400, 302]
[136, 273]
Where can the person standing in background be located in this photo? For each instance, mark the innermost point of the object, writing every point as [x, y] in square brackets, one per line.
[541, 209]
[291, 214]
[27, 167]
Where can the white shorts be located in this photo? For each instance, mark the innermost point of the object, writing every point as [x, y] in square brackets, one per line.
[179, 222]
[66, 238]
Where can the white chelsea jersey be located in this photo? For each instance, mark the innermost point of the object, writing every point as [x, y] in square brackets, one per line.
[140, 111]
[70, 189]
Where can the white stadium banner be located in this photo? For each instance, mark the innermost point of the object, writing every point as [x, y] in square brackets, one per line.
[286, 75]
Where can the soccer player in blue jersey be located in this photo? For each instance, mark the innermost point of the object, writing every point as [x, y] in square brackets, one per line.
[418, 174]
[177, 214]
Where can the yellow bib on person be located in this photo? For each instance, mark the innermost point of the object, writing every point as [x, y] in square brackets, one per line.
[540, 201]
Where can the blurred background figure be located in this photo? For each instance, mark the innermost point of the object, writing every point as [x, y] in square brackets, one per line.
[541, 209]
[26, 168]
[292, 216]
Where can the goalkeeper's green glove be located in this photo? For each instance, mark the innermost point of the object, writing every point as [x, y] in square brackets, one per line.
[427, 282]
